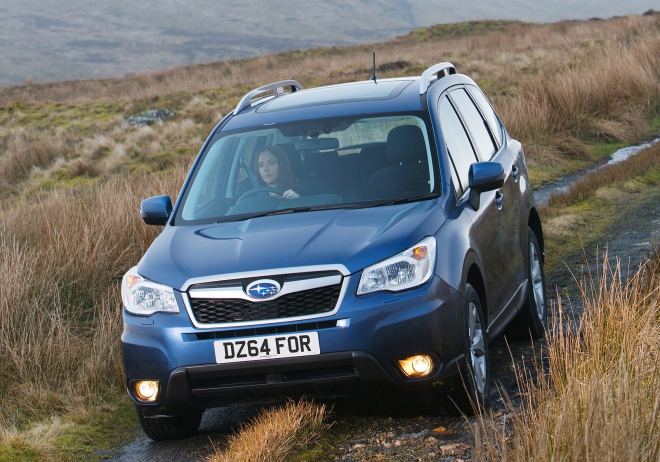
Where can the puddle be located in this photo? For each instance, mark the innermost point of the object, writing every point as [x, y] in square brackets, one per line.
[563, 184]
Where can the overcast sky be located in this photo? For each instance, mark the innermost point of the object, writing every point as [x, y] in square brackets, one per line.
[72, 39]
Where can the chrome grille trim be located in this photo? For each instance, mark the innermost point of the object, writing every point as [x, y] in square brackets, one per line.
[288, 288]
[263, 273]
[301, 284]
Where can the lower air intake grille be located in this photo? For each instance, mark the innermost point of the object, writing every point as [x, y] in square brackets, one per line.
[304, 303]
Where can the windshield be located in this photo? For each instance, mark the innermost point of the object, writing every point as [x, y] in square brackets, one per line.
[311, 165]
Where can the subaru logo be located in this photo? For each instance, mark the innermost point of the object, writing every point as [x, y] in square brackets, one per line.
[263, 288]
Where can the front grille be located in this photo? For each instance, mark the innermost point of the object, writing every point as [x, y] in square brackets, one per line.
[303, 303]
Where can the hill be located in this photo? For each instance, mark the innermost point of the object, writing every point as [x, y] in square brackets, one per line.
[74, 39]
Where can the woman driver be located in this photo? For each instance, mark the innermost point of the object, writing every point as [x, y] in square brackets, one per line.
[275, 171]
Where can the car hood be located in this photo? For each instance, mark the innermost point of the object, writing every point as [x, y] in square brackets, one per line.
[355, 238]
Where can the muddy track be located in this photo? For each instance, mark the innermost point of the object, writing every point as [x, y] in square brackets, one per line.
[412, 429]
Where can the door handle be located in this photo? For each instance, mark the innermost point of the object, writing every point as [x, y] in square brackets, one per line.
[514, 172]
[498, 200]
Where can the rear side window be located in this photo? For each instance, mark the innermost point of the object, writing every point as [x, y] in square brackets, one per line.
[459, 146]
[488, 112]
[476, 123]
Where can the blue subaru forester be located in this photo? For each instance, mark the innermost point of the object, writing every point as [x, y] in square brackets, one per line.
[365, 237]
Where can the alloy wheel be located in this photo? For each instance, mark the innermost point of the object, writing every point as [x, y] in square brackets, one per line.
[477, 348]
[537, 280]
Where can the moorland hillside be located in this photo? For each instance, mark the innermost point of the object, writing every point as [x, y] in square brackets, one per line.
[64, 39]
[72, 172]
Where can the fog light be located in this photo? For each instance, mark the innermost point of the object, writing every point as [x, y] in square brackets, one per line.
[146, 390]
[422, 364]
[416, 366]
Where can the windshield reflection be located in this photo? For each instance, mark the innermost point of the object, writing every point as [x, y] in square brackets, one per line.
[310, 166]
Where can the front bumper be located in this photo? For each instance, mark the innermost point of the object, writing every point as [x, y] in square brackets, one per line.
[358, 358]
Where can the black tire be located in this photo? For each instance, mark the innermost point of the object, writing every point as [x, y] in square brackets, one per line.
[175, 427]
[532, 319]
[471, 392]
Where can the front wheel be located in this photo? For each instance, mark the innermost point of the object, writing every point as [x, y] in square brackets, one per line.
[472, 390]
[169, 427]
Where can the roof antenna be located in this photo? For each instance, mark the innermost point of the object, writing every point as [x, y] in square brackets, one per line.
[373, 75]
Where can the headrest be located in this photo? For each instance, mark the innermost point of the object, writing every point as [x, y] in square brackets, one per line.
[406, 146]
[294, 159]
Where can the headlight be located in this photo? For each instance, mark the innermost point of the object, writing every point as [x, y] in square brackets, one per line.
[141, 296]
[410, 268]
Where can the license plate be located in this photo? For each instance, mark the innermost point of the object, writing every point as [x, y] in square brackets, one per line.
[270, 347]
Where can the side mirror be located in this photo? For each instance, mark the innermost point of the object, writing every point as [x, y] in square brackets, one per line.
[484, 176]
[156, 210]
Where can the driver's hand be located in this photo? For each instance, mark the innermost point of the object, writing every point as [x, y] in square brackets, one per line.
[290, 194]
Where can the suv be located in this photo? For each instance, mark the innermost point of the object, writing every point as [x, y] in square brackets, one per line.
[364, 237]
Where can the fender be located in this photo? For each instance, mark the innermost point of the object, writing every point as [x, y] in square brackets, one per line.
[457, 246]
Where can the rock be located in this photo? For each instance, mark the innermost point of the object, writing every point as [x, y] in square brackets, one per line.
[439, 430]
[358, 446]
[398, 443]
[144, 118]
[431, 440]
[453, 449]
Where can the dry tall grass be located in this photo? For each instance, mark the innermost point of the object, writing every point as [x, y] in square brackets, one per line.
[275, 433]
[61, 260]
[600, 398]
[25, 151]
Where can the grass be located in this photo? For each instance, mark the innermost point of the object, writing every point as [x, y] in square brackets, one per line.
[275, 434]
[595, 391]
[89, 434]
[72, 176]
[599, 399]
[635, 166]
[592, 205]
[62, 258]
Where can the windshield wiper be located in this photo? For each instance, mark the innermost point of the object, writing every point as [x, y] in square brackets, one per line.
[269, 213]
[313, 208]
[407, 200]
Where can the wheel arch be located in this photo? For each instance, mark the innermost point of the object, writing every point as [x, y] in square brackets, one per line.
[534, 222]
[475, 279]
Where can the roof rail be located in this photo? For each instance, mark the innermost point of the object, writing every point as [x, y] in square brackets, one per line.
[441, 69]
[277, 86]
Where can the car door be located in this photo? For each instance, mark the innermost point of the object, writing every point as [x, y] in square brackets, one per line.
[518, 251]
[498, 221]
[488, 222]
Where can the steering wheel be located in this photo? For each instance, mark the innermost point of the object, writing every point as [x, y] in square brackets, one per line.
[261, 189]
[251, 176]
